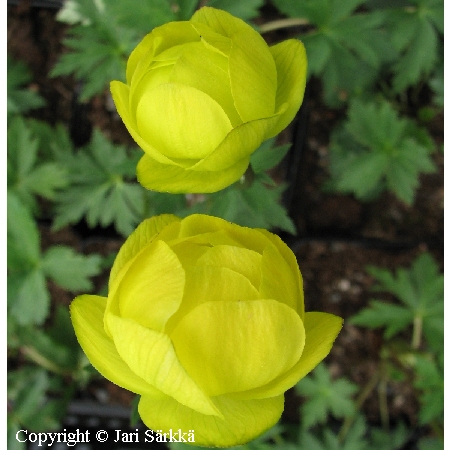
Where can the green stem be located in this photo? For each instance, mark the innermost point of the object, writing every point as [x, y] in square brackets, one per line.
[42, 361]
[417, 332]
[362, 397]
[382, 398]
[282, 23]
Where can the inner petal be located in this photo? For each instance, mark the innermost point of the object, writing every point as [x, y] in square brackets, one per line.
[181, 121]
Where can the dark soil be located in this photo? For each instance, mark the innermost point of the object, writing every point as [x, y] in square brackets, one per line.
[338, 236]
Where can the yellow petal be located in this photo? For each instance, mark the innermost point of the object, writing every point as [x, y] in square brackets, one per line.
[290, 258]
[151, 355]
[252, 69]
[86, 312]
[197, 225]
[160, 39]
[207, 70]
[209, 283]
[138, 239]
[152, 288]
[168, 178]
[235, 346]
[277, 280]
[181, 121]
[240, 143]
[121, 95]
[321, 330]
[243, 420]
[244, 261]
[291, 63]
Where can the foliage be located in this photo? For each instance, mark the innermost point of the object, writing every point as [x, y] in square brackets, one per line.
[20, 100]
[28, 268]
[325, 396]
[376, 150]
[421, 291]
[27, 177]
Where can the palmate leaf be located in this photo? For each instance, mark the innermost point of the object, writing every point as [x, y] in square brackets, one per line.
[20, 99]
[415, 32]
[244, 10]
[343, 42]
[354, 440]
[325, 396]
[256, 206]
[105, 33]
[377, 150]
[27, 176]
[99, 188]
[28, 296]
[420, 289]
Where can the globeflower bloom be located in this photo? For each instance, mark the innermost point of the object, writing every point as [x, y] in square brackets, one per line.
[205, 320]
[202, 95]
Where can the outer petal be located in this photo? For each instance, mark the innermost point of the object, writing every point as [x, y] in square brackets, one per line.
[240, 143]
[145, 233]
[121, 95]
[152, 288]
[151, 355]
[86, 312]
[252, 69]
[290, 60]
[277, 280]
[243, 420]
[167, 178]
[321, 331]
[290, 258]
[181, 121]
[235, 346]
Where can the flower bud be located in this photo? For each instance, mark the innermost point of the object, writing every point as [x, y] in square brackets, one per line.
[202, 95]
[205, 320]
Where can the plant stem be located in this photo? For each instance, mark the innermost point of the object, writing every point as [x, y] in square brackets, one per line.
[382, 398]
[282, 23]
[362, 397]
[417, 332]
[42, 361]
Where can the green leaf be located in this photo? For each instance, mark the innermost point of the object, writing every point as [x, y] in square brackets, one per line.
[266, 156]
[255, 206]
[244, 10]
[20, 100]
[28, 297]
[70, 270]
[340, 43]
[23, 236]
[428, 443]
[430, 380]
[26, 176]
[376, 150]
[99, 188]
[325, 396]
[390, 440]
[420, 289]
[415, 32]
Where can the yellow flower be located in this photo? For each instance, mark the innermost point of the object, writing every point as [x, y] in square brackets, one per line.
[202, 95]
[205, 320]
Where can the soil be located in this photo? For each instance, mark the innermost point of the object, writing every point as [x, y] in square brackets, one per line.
[337, 238]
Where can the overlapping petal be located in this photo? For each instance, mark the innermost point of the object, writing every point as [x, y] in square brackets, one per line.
[151, 356]
[243, 420]
[250, 337]
[321, 330]
[87, 312]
